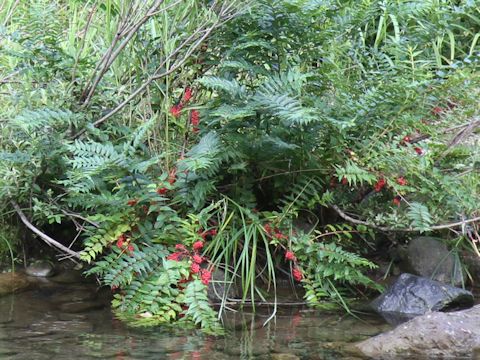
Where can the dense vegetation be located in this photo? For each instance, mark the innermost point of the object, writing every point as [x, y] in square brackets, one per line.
[247, 141]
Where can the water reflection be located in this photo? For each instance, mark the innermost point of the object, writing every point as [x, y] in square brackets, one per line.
[59, 321]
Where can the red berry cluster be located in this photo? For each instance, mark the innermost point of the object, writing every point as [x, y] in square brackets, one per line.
[296, 271]
[196, 259]
[380, 184]
[124, 244]
[274, 232]
[176, 110]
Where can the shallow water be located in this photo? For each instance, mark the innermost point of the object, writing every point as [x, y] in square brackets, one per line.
[67, 321]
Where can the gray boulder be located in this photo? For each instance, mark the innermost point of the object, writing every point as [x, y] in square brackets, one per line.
[430, 257]
[412, 296]
[41, 268]
[453, 335]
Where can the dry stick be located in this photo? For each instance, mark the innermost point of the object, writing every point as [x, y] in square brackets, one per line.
[106, 55]
[114, 53]
[43, 236]
[382, 228]
[82, 45]
[154, 77]
[10, 13]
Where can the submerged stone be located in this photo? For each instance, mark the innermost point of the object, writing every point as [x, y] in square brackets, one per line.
[13, 282]
[412, 296]
[41, 268]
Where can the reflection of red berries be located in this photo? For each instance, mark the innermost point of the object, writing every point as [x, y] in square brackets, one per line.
[380, 184]
[401, 181]
[397, 200]
[195, 268]
[297, 274]
[206, 276]
[290, 256]
[197, 245]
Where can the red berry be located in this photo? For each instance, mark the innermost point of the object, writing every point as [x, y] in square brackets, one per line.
[418, 150]
[197, 258]
[195, 118]
[297, 274]
[344, 181]
[213, 232]
[197, 245]
[172, 176]
[187, 95]
[176, 110]
[401, 181]
[290, 256]
[206, 276]
[132, 202]
[120, 242]
[437, 110]
[162, 191]
[267, 228]
[195, 268]
[176, 256]
[397, 200]
[180, 247]
[380, 184]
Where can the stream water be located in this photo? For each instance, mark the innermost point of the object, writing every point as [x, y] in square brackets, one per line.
[64, 320]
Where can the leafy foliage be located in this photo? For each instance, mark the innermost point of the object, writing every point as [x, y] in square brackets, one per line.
[290, 108]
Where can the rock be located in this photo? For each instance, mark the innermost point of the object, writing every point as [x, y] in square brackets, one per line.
[437, 335]
[41, 268]
[472, 261]
[284, 356]
[218, 287]
[13, 282]
[81, 306]
[430, 257]
[412, 295]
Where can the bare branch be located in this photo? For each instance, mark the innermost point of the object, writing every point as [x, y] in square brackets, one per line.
[198, 37]
[388, 229]
[43, 236]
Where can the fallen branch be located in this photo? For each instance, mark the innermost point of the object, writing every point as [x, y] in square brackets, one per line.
[43, 236]
[388, 229]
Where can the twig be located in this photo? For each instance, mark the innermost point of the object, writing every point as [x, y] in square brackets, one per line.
[388, 229]
[201, 34]
[114, 51]
[43, 236]
[80, 217]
